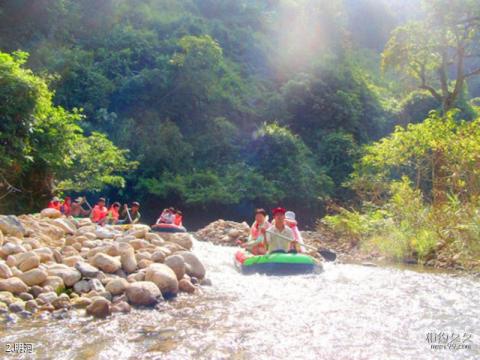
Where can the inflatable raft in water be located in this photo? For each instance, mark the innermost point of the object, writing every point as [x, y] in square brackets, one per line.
[168, 228]
[276, 264]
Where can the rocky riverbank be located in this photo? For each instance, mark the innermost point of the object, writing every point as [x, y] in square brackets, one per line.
[50, 263]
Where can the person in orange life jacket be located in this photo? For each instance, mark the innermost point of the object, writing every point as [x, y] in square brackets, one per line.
[291, 222]
[99, 212]
[256, 240]
[55, 204]
[66, 207]
[277, 233]
[113, 214]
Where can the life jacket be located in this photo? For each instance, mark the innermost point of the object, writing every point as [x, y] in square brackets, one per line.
[99, 213]
[66, 208]
[177, 220]
[255, 232]
[113, 214]
[55, 205]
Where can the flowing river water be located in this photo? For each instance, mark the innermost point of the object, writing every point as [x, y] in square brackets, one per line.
[347, 312]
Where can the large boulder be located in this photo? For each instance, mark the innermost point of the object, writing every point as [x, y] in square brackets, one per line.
[9, 225]
[117, 286]
[106, 263]
[5, 271]
[34, 277]
[177, 264]
[13, 285]
[194, 267]
[143, 293]
[50, 213]
[100, 307]
[69, 275]
[163, 277]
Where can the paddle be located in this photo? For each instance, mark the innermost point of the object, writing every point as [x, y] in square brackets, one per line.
[129, 216]
[86, 202]
[327, 254]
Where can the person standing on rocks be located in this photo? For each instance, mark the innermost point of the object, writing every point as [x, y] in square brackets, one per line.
[256, 240]
[99, 212]
[276, 234]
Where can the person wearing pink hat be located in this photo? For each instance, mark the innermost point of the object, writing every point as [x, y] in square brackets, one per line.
[291, 222]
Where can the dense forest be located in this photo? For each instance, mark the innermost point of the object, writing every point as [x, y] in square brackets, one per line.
[217, 106]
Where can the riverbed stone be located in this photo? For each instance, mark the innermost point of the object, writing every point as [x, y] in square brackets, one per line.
[116, 286]
[143, 293]
[31, 305]
[5, 271]
[13, 285]
[10, 225]
[47, 297]
[185, 285]
[69, 275]
[163, 277]
[81, 302]
[50, 213]
[34, 277]
[87, 270]
[54, 282]
[100, 307]
[128, 260]
[177, 264]
[62, 302]
[121, 307]
[106, 263]
[194, 266]
[16, 307]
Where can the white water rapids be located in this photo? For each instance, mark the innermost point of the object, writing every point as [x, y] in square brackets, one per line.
[347, 312]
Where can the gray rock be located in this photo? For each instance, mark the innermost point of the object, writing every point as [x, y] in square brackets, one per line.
[25, 296]
[177, 264]
[16, 307]
[9, 225]
[100, 307]
[143, 293]
[195, 267]
[87, 270]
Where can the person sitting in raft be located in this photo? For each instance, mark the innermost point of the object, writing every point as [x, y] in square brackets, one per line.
[130, 215]
[55, 204]
[256, 239]
[279, 236]
[291, 222]
[113, 214]
[167, 216]
[77, 210]
[99, 212]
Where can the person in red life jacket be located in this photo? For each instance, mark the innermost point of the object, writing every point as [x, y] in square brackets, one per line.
[113, 214]
[66, 207]
[291, 222]
[256, 240]
[99, 212]
[178, 218]
[55, 204]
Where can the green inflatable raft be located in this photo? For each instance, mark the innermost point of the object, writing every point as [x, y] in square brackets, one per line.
[277, 263]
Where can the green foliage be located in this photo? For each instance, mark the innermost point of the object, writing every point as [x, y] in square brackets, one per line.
[41, 141]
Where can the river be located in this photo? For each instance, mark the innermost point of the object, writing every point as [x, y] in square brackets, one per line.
[347, 312]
